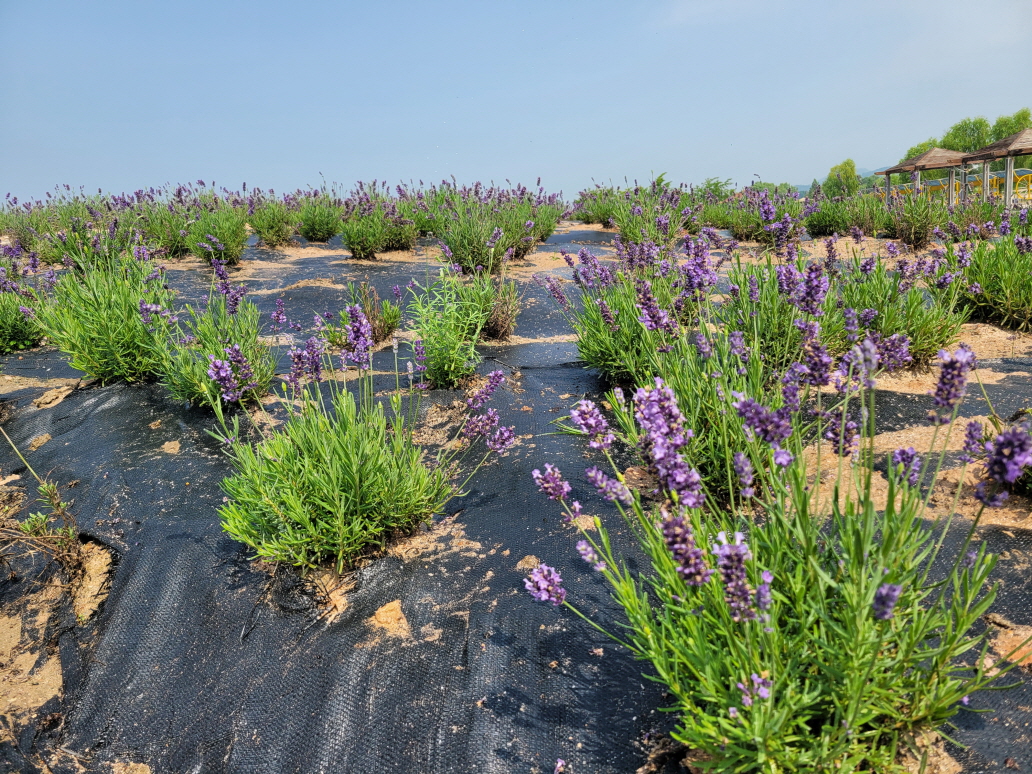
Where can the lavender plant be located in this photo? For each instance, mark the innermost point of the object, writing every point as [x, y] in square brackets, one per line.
[997, 279]
[319, 217]
[219, 234]
[449, 322]
[214, 356]
[793, 632]
[343, 476]
[104, 318]
[273, 222]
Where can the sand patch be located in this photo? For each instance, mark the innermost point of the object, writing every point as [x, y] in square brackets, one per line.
[92, 586]
[527, 563]
[38, 441]
[30, 675]
[10, 383]
[170, 447]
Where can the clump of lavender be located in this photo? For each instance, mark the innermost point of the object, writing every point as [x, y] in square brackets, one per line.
[952, 382]
[587, 417]
[545, 584]
[690, 559]
[731, 559]
[551, 482]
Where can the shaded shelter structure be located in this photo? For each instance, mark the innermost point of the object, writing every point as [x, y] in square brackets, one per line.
[1008, 148]
[936, 158]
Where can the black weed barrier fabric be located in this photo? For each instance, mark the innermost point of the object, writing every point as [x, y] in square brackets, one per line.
[202, 660]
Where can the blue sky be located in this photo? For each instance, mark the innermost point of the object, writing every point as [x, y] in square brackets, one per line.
[124, 95]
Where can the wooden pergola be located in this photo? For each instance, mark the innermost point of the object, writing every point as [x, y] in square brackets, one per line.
[936, 158]
[1019, 144]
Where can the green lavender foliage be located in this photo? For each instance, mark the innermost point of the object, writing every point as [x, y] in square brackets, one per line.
[844, 690]
[200, 335]
[333, 484]
[449, 319]
[1003, 275]
[18, 330]
[94, 316]
[273, 222]
[228, 226]
[319, 218]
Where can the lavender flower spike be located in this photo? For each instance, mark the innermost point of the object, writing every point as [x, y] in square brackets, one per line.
[680, 539]
[551, 482]
[590, 555]
[589, 420]
[545, 585]
[731, 559]
[494, 379]
[952, 381]
[885, 599]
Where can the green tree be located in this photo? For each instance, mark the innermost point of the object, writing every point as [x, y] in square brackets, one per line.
[968, 135]
[842, 179]
[1005, 126]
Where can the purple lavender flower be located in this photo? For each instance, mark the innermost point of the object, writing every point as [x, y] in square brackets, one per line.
[502, 439]
[148, 311]
[974, 289]
[607, 314]
[952, 381]
[555, 287]
[279, 317]
[843, 432]
[358, 348]
[1024, 244]
[737, 341]
[690, 559]
[783, 458]
[551, 482]
[1008, 455]
[244, 373]
[767, 211]
[397, 292]
[994, 500]
[892, 249]
[867, 265]
[809, 298]
[26, 312]
[221, 372]
[587, 417]
[852, 324]
[754, 288]
[910, 462]
[495, 236]
[972, 441]
[772, 427]
[867, 316]
[652, 317]
[857, 233]
[744, 470]
[763, 596]
[663, 435]
[885, 599]
[893, 352]
[419, 352]
[610, 488]
[731, 559]
[478, 399]
[480, 425]
[703, 346]
[590, 555]
[545, 585]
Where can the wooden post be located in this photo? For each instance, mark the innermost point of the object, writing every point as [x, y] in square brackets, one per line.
[917, 180]
[1008, 186]
[888, 187]
[951, 196]
[985, 181]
